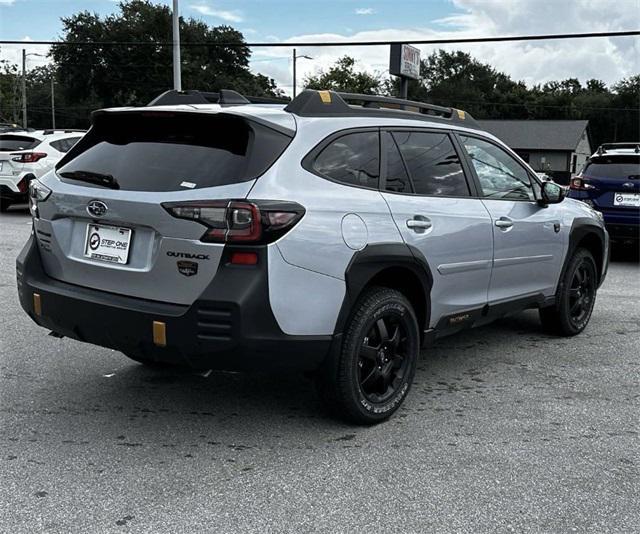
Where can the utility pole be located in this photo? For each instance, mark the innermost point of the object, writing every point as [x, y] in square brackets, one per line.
[294, 73]
[177, 75]
[53, 103]
[24, 88]
[295, 59]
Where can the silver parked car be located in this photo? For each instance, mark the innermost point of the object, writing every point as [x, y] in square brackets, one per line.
[338, 234]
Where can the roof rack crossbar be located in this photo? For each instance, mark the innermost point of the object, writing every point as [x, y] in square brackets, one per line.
[617, 146]
[225, 97]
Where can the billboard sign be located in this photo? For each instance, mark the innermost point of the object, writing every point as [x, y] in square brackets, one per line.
[405, 61]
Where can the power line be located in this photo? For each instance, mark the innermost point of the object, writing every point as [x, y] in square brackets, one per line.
[237, 44]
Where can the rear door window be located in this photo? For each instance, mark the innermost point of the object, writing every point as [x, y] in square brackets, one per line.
[352, 159]
[163, 151]
[9, 143]
[613, 167]
[433, 163]
[64, 145]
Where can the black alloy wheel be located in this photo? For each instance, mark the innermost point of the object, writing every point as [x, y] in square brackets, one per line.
[575, 297]
[582, 292]
[382, 363]
[368, 377]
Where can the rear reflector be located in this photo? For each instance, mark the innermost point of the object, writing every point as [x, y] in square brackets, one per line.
[159, 333]
[244, 258]
[37, 304]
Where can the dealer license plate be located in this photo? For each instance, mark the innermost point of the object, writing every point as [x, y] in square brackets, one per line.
[626, 199]
[107, 243]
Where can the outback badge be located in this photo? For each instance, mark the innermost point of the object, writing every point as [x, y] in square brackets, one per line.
[187, 268]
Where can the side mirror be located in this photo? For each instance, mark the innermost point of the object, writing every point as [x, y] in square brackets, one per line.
[552, 193]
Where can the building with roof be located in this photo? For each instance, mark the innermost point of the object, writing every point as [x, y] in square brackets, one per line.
[557, 148]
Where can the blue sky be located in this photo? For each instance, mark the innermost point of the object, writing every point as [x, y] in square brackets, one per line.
[608, 59]
[40, 19]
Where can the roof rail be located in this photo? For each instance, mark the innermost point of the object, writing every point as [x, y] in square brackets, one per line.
[50, 131]
[311, 103]
[225, 97]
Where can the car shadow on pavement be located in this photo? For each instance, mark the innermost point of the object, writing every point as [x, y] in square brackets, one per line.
[249, 404]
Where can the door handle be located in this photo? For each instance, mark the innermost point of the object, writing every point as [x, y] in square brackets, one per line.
[419, 225]
[504, 223]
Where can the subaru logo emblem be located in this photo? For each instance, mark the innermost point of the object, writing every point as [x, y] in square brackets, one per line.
[627, 184]
[97, 208]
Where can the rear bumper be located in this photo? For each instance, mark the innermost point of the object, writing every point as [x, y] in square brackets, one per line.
[230, 326]
[623, 232]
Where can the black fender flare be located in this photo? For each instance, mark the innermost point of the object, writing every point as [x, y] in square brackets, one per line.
[365, 264]
[580, 228]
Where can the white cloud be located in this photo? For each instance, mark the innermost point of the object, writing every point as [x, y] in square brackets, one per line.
[6, 2]
[36, 54]
[533, 62]
[211, 11]
[364, 11]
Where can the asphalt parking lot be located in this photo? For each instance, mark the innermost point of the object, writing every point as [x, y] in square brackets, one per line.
[506, 430]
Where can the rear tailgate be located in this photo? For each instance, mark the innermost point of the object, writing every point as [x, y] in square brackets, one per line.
[120, 238]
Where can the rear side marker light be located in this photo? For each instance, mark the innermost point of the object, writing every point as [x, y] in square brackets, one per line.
[244, 258]
[159, 333]
[37, 304]
[239, 221]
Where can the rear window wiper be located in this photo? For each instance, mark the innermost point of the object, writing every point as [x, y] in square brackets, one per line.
[105, 180]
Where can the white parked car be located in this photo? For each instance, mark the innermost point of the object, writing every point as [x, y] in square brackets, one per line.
[25, 155]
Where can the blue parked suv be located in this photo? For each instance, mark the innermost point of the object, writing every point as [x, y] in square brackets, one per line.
[610, 184]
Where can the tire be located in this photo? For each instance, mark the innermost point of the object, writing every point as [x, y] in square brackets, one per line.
[575, 297]
[4, 204]
[369, 377]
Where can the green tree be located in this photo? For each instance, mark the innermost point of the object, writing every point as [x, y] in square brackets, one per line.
[626, 96]
[113, 75]
[342, 76]
[10, 94]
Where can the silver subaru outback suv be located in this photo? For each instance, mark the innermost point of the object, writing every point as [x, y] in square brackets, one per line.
[338, 234]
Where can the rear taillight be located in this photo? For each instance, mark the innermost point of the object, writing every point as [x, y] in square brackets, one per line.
[38, 192]
[239, 221]
[28, 157]
[580, 184]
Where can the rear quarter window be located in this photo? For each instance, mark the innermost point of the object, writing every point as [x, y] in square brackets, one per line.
[351, 159]
[164, 151]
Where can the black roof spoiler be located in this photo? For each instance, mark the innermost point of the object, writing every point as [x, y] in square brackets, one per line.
[225, 97]
[311, 103]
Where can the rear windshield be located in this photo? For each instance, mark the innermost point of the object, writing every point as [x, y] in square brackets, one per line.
[614, 167]
[162, 151]
[9, 143]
